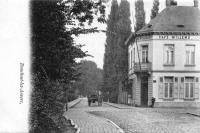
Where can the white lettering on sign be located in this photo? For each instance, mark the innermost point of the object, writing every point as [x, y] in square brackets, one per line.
[181, 37]
[163, 37]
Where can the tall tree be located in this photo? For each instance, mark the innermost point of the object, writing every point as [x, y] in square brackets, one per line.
[54, 54]
[90, 79]
[109, 71]
[116, 53]
[139, 15]
[123, 31]
[155, 9]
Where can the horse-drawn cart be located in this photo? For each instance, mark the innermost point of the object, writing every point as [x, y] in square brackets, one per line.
[95, 98]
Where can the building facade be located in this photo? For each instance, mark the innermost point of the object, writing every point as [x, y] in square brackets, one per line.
[164, 59]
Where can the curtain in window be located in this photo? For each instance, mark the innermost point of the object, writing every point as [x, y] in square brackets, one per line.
[144, 54]
[169, 54]
[189, 87]
[190, 54]
[169, 86]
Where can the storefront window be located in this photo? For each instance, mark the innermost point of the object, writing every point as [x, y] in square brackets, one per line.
[189, 87]
[169, 87]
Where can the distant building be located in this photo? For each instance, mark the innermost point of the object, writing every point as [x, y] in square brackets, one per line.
[164, 59]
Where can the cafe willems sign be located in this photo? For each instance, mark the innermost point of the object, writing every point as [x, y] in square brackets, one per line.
[179, 37]
[168, 37]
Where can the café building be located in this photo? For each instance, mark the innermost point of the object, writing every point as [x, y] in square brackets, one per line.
[164, 59]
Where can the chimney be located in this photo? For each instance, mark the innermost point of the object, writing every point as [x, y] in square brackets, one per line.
[196, 3]
[168, 3]
[171, 3]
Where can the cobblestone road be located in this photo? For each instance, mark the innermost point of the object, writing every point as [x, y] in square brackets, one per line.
[154, 120]
[88, 122]
[133, 120]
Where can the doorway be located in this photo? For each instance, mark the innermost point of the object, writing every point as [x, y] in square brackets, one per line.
[144, 90]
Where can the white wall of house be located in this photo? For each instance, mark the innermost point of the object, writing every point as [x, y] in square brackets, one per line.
[180, 53]
[156, 53]
[138, 52]
[156, 50]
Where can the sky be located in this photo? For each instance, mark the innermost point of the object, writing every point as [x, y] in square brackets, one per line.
[95, 42]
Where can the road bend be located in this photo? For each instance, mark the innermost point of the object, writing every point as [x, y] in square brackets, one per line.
[113, 117]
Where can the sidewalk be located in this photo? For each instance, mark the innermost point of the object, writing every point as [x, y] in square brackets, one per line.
[89, 123]
[119, 106]
[191, 111]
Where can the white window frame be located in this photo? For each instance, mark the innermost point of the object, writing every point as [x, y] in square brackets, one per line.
[188, 59]
[168, 91]
[189, 83]
[167, 59]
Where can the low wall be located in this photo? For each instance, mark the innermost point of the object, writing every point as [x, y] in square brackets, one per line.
[74, 102]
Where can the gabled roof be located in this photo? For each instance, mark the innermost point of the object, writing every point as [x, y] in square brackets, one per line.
[175, 19]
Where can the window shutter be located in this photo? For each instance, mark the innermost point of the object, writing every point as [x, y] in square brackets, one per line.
[196, 89]
[181, 89]
[176, 87]
[160, 87]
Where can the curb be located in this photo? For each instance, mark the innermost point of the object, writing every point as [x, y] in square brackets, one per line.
[115, 125]
[117, 106]
[71, 121]
[193, 114]
[120, 130]
[75, 126]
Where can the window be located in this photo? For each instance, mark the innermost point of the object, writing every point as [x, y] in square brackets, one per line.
[131, 59]
[134, 55]
[168, 87]
[169, 54]
[144, 54]
[189, 87]
[190, 54]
